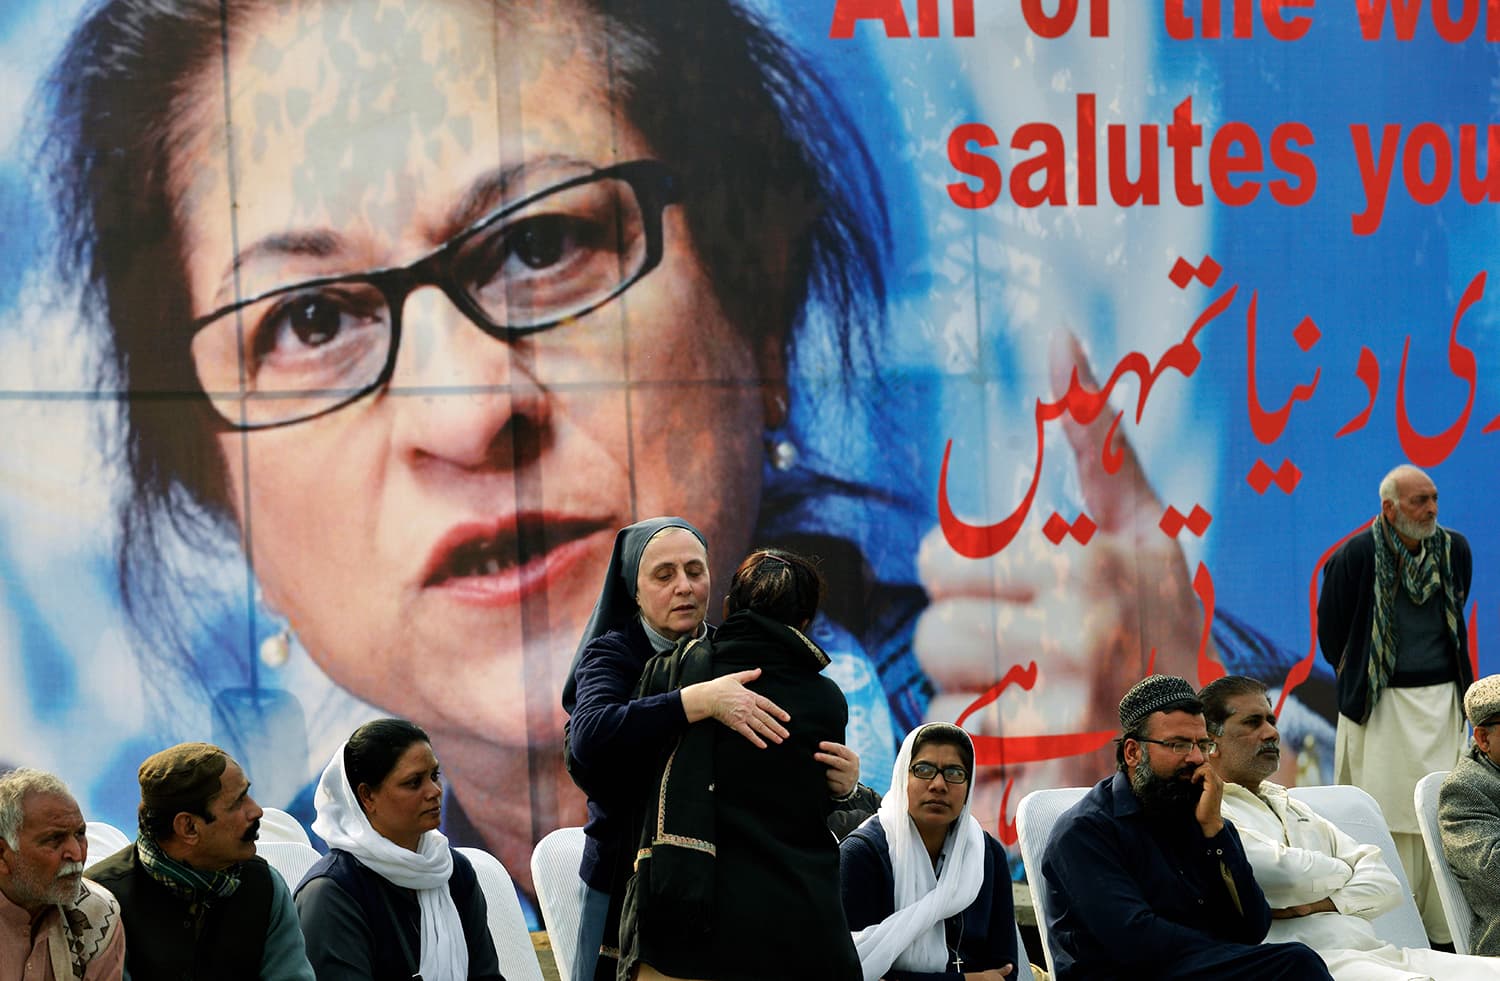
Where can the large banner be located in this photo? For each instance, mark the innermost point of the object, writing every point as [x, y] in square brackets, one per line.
[338, 337]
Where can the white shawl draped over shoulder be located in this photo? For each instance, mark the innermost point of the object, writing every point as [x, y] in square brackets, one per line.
[912, 937]
[342, 823]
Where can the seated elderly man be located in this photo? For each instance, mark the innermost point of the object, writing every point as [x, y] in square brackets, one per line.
[1143, 877]
[55, 925]
[1324, 887]
[1469, 816]
[196, 899]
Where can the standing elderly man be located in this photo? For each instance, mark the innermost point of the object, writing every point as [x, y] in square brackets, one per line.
[1469, 817]
[1144, 878]
[1324, 887]
[197, 900]
[1391, 622]
[55, 925]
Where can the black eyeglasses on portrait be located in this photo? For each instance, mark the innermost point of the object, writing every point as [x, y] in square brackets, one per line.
[952, 773]
[1182, 747]
[300, 351]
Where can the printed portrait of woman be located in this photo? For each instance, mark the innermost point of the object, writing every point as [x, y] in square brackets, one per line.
[420, 302]
[405, 307]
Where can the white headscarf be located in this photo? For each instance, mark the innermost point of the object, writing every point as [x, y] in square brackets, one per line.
[912, 938]
[342, 823]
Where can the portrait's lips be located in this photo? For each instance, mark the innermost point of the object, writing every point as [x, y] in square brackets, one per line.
[476, 561]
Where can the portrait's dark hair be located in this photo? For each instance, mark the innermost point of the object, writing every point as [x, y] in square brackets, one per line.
[779, 194]
[372, 752]
[776, 583]
[945, 734]
[1216, 694]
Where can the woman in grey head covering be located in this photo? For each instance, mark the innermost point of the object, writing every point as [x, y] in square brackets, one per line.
[655, 591]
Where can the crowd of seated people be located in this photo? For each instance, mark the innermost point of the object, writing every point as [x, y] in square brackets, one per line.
[714, 762]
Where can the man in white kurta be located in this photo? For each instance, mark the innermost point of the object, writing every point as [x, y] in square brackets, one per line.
[1323, 887]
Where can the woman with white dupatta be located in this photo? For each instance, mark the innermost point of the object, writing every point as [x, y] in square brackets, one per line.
[391, 899]
[926, 890]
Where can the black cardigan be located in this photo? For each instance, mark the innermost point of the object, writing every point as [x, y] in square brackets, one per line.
[774, 909]
[1346, 612]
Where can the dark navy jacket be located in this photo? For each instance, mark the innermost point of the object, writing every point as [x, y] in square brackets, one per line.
[369, 927]
[984, 935]
[1125, 894]
[616, 742]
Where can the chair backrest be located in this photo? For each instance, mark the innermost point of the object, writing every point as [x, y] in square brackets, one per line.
[1035, 819]
[291, 858]
[559, 891]
[1358, 815]
[278, 825]
[1455, 905]
[507, 923]
[104, 840]
[1021, 959]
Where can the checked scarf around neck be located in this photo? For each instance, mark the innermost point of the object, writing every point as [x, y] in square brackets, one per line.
[1421, 575]
[186, 882]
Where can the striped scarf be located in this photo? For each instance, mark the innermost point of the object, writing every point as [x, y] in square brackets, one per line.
[1420, 575]
[183, 881]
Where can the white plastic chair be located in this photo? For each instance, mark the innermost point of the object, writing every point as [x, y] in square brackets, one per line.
[559, 891]
[291, 858]
[507, 923]
[1455, 905]
[1358, 815]
[104, 840]
[278, 825]
[1021, 959]
[1035, 819]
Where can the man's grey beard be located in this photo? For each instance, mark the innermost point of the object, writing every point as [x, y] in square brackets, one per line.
[62, 890]
[1164, 796]
[1417, 531]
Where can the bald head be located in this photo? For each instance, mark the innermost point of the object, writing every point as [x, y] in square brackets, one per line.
[1390, 483]
[1408, 501]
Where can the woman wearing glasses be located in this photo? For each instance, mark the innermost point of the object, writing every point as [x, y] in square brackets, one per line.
[420, 302]
[926, 890]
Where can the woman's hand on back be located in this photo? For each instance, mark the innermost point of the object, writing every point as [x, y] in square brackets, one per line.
[993, 974]
[753, 716]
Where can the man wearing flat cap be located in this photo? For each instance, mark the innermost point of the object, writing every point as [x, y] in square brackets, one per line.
[197, 901]
[1391, 623]
[1469, 816]
[1143, 878]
